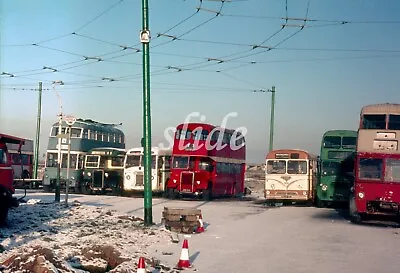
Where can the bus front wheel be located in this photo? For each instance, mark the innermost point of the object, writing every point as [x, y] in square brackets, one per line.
[207, 194]
[171, 194]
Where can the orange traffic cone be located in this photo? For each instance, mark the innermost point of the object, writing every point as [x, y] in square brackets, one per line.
[184, 260]
[200, 228]
[141, 268]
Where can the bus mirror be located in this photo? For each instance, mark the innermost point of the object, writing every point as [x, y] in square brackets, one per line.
[142, 142]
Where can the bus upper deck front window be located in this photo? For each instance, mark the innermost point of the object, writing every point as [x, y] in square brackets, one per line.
[276, 166]
[370, 168]
[297, 167]
[180, 162]
[332, 142]
[373, 121]
[3, 157]
[132, 161]
[394, 122]
[349, 142]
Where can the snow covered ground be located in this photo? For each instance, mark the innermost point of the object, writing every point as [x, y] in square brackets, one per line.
[104, 232]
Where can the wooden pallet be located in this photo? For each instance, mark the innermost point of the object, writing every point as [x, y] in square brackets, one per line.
[181, 220]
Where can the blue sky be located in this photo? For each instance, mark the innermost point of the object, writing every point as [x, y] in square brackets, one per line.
[346, 56]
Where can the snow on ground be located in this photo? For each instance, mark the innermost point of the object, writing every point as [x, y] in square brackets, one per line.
[42, 234]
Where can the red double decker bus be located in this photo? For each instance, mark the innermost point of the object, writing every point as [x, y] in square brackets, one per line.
[376, 188]
[207, 160]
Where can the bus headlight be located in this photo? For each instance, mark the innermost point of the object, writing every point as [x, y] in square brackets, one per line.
[272, 186]
[152, 177]
[324, 187]
[268, 192]
[361, 195]
[106, 174]
[89, 174]
[174, 180]
[198, 182]
[72, 178]
[83, 173]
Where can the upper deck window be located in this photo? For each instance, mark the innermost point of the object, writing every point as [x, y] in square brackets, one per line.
[199, 134]
[370, 168]
[276, 166]
[75, 132]
[332, 142]
[349, 142]
[394, 122]
[374, 121]
[392, 173]
[54, 131]
[3, 157]
[183, 134]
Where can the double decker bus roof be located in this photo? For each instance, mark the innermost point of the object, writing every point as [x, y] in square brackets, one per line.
[204, 126]
[383, 108]
[339, 132]
[11, 139]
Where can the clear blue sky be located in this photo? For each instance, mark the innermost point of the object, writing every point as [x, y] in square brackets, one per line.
[346, 56]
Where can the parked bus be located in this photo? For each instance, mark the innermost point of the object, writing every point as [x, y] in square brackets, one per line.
[24, 159]
[134, 169]
[6, 175]
[336, 166]
[207, 160]
[376, 189]
[103, 171]
[85, 135]
[290, 175]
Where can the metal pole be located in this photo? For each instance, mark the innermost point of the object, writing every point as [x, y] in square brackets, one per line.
[57, 198]
[39, 114]
[271, 126]
[68, 164]
[148, 214]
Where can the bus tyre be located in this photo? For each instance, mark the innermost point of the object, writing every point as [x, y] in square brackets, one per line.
[319, 203]
[207, 194]
[355, 217]
[47, 188]
[171, 194]
[4, 206]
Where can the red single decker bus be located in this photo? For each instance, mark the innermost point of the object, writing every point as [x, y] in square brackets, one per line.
[207, 160]
[376, 188]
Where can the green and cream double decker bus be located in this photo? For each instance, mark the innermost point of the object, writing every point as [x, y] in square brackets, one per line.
[103, 171]
[85, 135]
[336, 167]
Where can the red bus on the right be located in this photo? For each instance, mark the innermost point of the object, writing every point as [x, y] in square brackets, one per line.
[376, 189]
